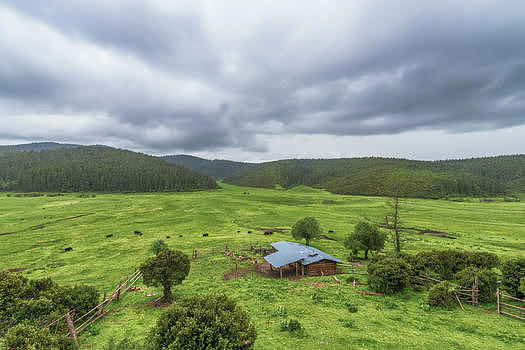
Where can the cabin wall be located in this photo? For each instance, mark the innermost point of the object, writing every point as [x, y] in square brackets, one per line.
[326, 266]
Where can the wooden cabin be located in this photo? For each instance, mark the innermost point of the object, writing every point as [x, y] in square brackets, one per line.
[307, 260]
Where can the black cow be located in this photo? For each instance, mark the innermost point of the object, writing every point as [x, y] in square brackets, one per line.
[266, 233]
[167, 236]
[330, 231]
[137, 232]
[110, 235]
[238, 231]
[249, 231]
[68, 249]
[204, 235]
[180, 235]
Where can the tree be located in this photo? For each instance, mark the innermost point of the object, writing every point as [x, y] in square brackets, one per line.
[388, 275]
[167, 269]
[366, 236]
[158, 246]
[203, 322]
[307, 228]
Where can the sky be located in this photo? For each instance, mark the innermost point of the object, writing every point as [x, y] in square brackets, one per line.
[264, 80]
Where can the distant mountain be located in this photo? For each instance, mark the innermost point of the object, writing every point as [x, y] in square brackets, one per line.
[216, 168]
[95, 168]
[36, 146]
[489, 176]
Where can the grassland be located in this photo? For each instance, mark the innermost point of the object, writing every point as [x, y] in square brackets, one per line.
[399, 322]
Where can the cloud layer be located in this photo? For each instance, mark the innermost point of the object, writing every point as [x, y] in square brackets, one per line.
[203, 76]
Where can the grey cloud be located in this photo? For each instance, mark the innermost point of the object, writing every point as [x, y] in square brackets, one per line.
[192, 81]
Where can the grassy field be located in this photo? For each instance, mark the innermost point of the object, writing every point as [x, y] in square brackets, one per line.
[41, 227]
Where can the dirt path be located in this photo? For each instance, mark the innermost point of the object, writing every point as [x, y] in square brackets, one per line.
[41, 226]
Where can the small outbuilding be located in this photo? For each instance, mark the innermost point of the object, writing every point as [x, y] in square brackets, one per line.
[312, 261]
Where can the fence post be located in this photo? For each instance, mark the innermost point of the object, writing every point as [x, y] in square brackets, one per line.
[475, 291]
[498, 293]
[118, 289]
[103, 304]
[71, 328]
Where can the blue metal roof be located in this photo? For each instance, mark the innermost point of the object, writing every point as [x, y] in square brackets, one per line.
[289, 252]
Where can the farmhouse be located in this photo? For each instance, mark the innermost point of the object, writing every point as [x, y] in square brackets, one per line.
[312, 261]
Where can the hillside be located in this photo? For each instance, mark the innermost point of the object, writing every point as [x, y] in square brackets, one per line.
[488, 176]
[36, 146]
[215, 168]
[94, 168]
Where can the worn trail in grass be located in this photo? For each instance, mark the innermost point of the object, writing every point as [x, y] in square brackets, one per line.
[400, 321]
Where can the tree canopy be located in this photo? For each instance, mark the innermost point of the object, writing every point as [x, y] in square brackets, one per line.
[167, 269]
[307, 228]
[366, 236]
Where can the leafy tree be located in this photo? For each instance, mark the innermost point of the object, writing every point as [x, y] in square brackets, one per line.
[158, 246]
[168, 268]
[441, 294]
[307, 228]
[203, 322]
[366, 236]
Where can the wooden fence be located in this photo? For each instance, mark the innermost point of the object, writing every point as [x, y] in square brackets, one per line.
[505, 307]
[67, 322]
[352, 267]
[469, 295]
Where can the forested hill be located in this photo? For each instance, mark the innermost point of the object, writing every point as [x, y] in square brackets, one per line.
[36, 146]
[94, 168]
[216, 168]
[488, 176]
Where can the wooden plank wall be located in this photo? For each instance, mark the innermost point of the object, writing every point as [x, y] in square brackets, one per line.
[320, 268]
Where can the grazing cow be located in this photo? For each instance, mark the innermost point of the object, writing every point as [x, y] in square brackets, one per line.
[330, 231]
[167, 236]
[249, 231]
[238, 231]
[68, 249]
[180, 235]
[137, 232]
[110, 235]
[266, 233]
[204, 235]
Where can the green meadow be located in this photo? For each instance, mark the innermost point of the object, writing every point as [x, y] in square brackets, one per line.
[39, 228]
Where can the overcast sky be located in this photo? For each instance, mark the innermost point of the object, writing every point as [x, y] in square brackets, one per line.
[262, 80]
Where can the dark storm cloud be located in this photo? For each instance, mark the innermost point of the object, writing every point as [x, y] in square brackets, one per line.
[167, 75]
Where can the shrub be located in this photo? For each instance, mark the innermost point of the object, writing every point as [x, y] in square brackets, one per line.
[351, 308]
[168, 268]
[388, 275]
[204, 322]
[291, 325]
[487, 282]
[26, 337]
[512, 272]
[123, 344]
[484, 260]
[441, 294]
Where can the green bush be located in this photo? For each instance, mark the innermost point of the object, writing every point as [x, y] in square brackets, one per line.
[388, 275]
[291, 325]
[443, 264]
[205, 322]
[512, 272]
[123, 344]
[487, 282]
[441, 294]
[351, 308]
[26, 337]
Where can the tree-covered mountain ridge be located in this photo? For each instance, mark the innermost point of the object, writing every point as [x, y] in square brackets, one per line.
[485, 176]
[94, 168]
[216, 168]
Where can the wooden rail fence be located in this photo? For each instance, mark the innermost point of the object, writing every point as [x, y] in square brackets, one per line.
[506, 308]
[351, 267]
[67, 322]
